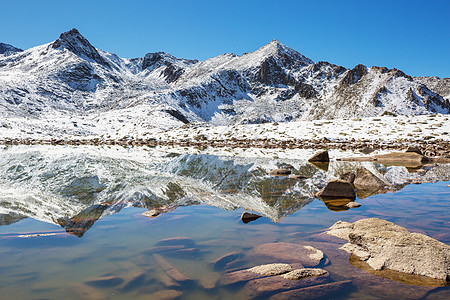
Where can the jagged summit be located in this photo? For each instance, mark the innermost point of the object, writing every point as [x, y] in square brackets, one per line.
[278, 49]
[73, 41]
[8, 49]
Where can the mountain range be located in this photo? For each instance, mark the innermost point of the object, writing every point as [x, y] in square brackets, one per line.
[275, 83]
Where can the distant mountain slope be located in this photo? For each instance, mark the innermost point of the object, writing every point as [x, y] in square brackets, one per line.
[274, 83]
[7, 49]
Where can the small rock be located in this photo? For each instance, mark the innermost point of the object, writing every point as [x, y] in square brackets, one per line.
[170, 270]
[414, 149]
[316, 254]
[327, 290]
[353, 204]
[166, 295]
[151, 213]
[366, 150]
[248, 217]
[271, 269]
[105, 281]
[321, 157]
[295, 176]
[337, 189]
[221, 262]
[280, 172]
[303, 273]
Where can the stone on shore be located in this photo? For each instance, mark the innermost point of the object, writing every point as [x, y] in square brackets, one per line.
[413, 149]
[337, 189]
[385, 245]
[407, 158]
[321, 157]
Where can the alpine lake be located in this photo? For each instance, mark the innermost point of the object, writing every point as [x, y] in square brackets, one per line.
[72, 223]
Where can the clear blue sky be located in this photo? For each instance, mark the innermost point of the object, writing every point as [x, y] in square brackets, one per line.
[413, 36]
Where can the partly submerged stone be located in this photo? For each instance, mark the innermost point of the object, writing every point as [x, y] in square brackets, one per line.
[271, 269]
[366, 180]
[225, 260]
[303, 273]
[385, 245]
[247, 217]
[104, 281]
[280, 172]
[337, 189]
[321, 157]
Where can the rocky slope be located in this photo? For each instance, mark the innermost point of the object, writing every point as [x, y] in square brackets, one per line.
[70, 77]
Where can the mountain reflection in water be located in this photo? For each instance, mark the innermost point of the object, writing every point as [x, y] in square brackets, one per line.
[75, 187]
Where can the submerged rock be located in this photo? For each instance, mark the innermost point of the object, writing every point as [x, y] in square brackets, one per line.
[321, 157]
[337, 189]
[104, 281]
[313, 292]
[288, 253]
[271, 269]
[385, 245]
[303, 273]
[223, 261]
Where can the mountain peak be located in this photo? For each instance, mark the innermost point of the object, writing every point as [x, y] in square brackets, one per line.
[276, 48]
[73, 41]
[8, 49]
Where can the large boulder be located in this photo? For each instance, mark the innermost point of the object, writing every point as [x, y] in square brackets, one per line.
[321, 157]
[288, 253]
[385, 245]
[337, 189]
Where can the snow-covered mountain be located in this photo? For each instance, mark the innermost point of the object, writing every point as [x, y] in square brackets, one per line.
[70, 77]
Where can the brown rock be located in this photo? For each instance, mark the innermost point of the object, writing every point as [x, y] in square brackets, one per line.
[407, 158]
[239, 276]
[266, 286]
[271, 269]
[303, 273]
[353, 204]
[248, 217]
[366, 180]
[209, 281]
[321, 157]
[337, 189]
[165, 295]
[221, 262]
[170, 270]
[314, 292]
[287, 253]
[280, 172]
[104, 281]
[366, 150]
[414, 149]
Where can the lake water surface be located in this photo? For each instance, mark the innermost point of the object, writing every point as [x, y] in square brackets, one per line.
[72, 224]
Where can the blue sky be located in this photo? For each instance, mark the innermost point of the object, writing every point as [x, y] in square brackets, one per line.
[413, 36]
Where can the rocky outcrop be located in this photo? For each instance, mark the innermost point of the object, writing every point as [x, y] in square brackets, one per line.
[385, 245]
[321, 157]
[366, 180]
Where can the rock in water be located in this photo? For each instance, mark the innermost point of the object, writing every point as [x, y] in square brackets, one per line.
[385, 245]
[271, 269]
[321, 157]
[348, 176]
[337, 189]
[280, 172]
[414, 149]
[366, 180]
[248, 217]
[303, 273]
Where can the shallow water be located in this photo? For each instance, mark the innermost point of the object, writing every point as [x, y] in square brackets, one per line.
[73, 215]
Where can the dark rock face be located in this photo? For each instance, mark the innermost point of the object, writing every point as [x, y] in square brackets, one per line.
[177, 115]
[354, 75]
[337, 189]
[321, 157]
[271, 73]
[305, 90]
[73, 41]
[8, 49]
